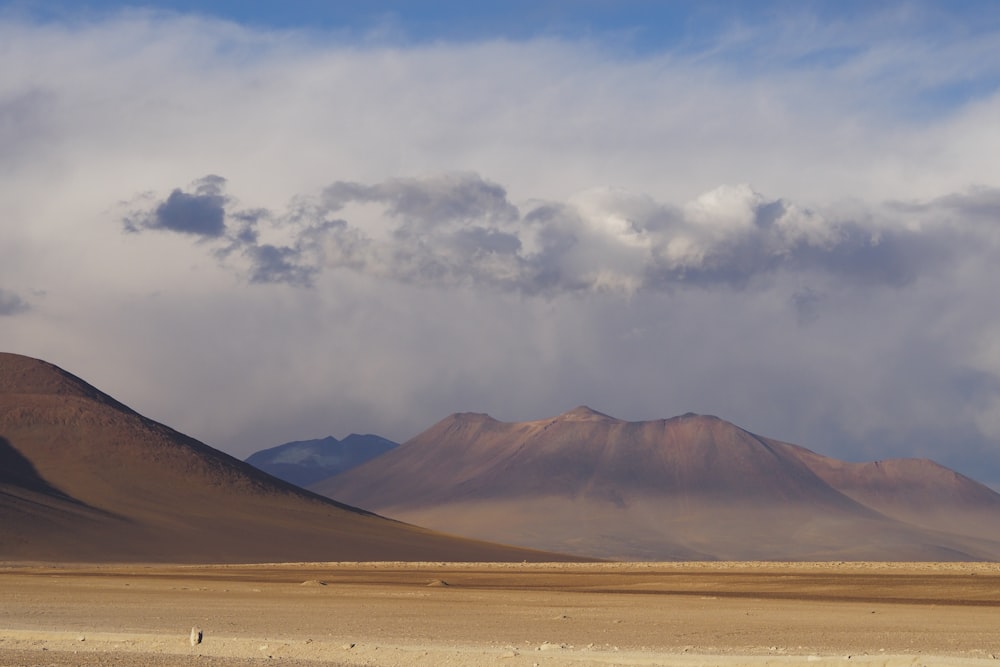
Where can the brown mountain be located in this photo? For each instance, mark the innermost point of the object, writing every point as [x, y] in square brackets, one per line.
[917, 491]
[84, 478]
[688, 487]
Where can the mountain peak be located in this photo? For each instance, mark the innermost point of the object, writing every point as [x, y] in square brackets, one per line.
[700, 417]
[20, 374]
[305, 462]
[584, 413]
[25, 375]
[468, 418]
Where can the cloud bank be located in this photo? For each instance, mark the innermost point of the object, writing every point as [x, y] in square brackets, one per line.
[459, 229]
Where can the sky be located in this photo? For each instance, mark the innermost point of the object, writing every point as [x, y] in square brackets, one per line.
[265, 222]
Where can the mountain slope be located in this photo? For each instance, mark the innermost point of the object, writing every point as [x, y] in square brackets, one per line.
[688, 487]
[917, 491]
[306, 462]
[87, 479]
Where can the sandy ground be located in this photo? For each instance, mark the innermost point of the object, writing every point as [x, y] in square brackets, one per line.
[438, 614]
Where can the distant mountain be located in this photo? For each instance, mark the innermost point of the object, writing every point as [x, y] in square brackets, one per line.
[84, 478]
[305, 462]
[917, 491]
[691, 487]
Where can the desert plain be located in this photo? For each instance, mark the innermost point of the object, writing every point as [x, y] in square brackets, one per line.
[447, 614]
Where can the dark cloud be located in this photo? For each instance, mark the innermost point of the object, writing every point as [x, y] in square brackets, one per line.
[894, 258]
[296, 264]
[201, 213]
[12, 304]
[481, 240]
[979, 203]
[273, 264]
[431, 202]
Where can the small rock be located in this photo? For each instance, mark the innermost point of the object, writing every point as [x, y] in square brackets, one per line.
[81, 638]
[348, 646]
[196, 636]
[546, 646]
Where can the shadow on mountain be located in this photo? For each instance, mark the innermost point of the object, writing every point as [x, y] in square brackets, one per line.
[16, 470]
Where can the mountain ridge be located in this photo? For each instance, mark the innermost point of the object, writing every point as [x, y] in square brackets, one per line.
[691, 484]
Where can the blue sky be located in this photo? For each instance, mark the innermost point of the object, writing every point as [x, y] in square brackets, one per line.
[650, 24]
[260, 225]
[739, 32]
[631, 25]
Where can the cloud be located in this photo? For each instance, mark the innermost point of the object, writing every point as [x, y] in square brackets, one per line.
[296, 264]
[979, 205]
[201, 213]
[426, 203]
[460, 229]
[12, 304]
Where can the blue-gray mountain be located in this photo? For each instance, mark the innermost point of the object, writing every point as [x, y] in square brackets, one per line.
[306, 462]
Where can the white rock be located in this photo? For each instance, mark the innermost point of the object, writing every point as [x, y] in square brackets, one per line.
[546, 646]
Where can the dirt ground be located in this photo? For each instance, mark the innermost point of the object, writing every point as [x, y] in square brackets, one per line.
[441, 614]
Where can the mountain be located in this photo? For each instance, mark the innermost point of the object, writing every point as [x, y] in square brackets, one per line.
[917, 491]
[689, 487]
[305, 462]
[85, 478]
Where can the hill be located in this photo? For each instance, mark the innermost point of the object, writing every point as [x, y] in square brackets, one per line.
[85, 478]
